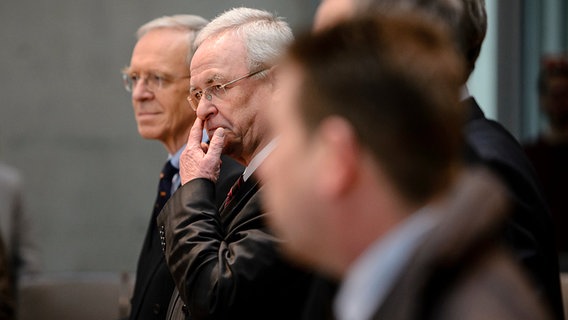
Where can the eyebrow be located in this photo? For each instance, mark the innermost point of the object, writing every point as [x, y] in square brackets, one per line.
[164, 74]
[216, 77]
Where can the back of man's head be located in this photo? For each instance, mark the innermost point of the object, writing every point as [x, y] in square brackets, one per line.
[396, 80]
[466, 20]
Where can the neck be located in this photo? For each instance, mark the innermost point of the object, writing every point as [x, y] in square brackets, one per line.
[174, 143]
[248, 154]
[379, 209]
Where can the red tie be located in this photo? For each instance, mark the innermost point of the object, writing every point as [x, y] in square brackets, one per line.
[232, 192]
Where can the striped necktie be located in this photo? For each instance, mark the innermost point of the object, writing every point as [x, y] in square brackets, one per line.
[164, 187]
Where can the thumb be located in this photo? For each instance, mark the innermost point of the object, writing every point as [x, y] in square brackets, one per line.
[216, 144]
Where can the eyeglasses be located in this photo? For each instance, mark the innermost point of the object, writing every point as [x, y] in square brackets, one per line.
[152, 81]
[218, 90]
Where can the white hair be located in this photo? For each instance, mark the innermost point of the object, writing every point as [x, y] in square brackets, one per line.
[265, 35]
[191, 24]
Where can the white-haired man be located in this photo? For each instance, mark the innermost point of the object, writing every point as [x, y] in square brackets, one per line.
[225, 262]
[158, 79]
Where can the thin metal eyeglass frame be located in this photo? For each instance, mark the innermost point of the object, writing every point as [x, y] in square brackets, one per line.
[207, 91]
[129, 87]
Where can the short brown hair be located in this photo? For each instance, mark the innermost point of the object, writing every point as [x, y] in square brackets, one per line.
[396, 80]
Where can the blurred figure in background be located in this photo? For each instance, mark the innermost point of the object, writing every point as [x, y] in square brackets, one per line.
[158, 79]
[549, 152]
[7, 301]
[367, 183]
[529, 232]
[15, 226]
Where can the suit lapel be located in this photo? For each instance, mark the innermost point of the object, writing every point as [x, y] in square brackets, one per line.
[148, 264]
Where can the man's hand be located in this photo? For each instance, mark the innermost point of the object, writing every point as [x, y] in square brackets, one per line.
[200, 160]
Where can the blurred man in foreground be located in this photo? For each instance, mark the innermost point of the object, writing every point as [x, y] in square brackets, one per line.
[367, 183]
[529, 232]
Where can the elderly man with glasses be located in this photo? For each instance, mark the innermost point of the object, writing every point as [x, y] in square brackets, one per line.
[158, 79]
[225, 261]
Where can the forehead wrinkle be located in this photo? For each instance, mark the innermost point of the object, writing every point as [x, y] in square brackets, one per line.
[212, 79]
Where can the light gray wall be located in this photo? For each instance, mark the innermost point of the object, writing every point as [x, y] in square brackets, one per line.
[66, 122]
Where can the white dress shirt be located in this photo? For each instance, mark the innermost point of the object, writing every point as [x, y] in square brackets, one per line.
[258, 159]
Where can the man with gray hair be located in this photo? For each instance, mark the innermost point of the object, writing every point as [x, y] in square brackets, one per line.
[225, 262]
[528, 233]
[158, 79]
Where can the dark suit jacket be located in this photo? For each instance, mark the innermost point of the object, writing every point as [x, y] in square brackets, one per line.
[529, 231]
[226, 264]
[459, 270]
[154, 284]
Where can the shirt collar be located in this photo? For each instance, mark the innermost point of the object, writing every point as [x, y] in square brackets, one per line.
[174, 158]
[258, 159]
[464, 93]
[370, 278]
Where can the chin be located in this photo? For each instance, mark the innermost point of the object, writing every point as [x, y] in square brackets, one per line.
[148, 134]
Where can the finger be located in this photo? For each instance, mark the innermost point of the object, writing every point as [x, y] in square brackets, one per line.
[216, 144]
[196, 134]
[204, 147]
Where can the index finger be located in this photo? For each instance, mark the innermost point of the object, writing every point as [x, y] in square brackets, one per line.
[195, 134]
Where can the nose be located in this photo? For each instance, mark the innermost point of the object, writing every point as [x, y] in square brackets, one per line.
[206, 109]
[141, 92]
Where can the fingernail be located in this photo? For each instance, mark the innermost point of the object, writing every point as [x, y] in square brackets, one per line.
[220, 132]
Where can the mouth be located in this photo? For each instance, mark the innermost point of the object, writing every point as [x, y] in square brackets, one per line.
[147, 114]
[211, 131]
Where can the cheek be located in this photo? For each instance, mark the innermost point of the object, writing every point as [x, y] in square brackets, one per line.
[292, 193]
[245, 110]
[175, 106]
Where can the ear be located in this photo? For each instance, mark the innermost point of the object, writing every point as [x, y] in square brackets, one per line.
[339, 158]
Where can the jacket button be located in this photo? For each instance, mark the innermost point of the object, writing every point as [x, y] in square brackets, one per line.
[156, 308]
[185, 310]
